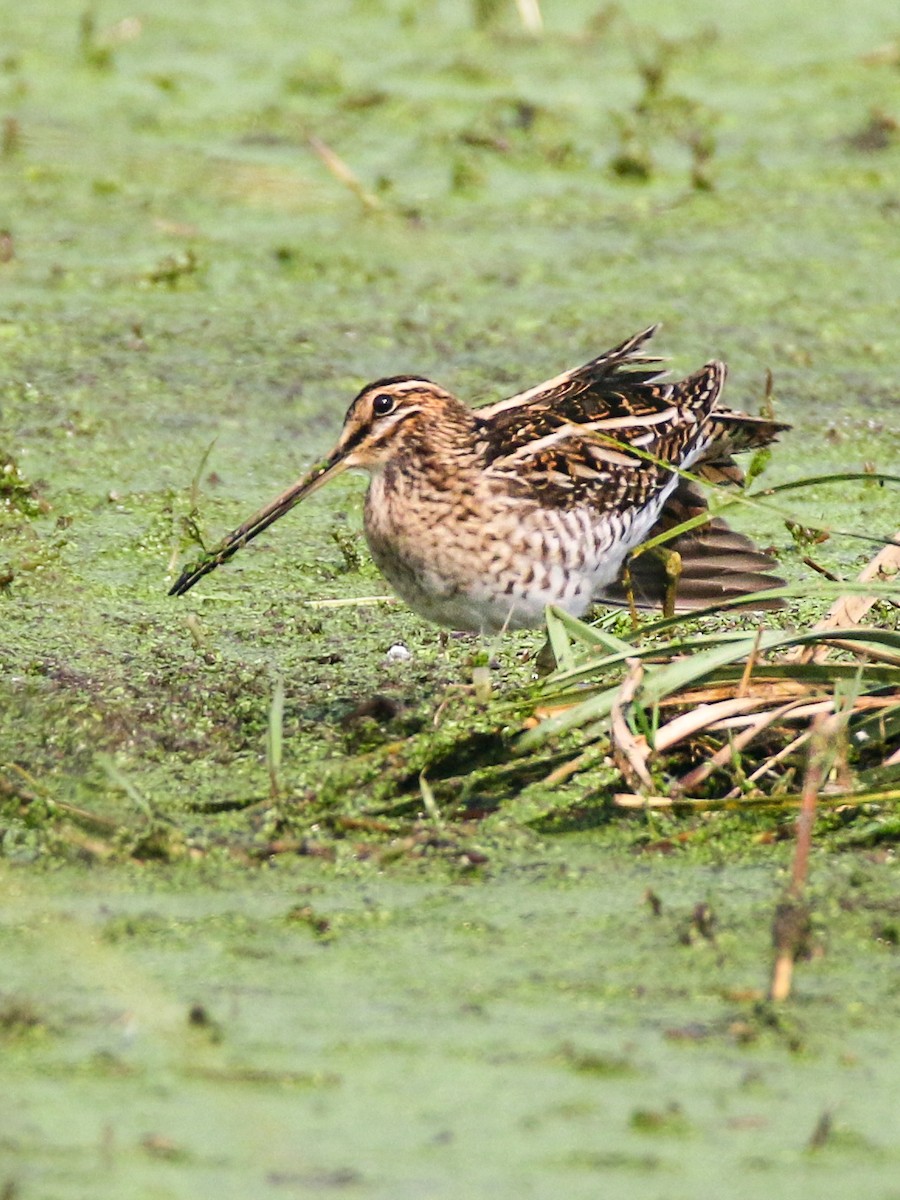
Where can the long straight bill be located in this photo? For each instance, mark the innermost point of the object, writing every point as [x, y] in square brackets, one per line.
[230, 545]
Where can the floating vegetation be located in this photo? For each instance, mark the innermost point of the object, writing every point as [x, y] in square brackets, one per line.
[661, 117]
[17, 493]
[704, 720]
[172, 269]
[879, 132]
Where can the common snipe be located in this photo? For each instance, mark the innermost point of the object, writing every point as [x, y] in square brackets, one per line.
[479, 518]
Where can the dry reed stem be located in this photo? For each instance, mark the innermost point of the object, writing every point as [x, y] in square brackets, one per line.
[701, 773]
[792, 915]
[727, 715]
[81, 816]
[566, 770]
[849, 610]
[782, 976]
[765, 686]
[630, 752]
[638, 800]
[744, 685]
[342, 172]
[723, 804]
[704, 717]
[350, 602]
[863, 653]
[823, 730]
[771, 761]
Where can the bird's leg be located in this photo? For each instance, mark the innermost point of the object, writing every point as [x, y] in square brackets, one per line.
[629, 590]
[671, 561]
[671, 565]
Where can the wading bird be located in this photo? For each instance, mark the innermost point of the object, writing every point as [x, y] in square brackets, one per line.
[479, 518]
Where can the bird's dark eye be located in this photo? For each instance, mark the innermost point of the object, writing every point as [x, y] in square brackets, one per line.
[382, 404]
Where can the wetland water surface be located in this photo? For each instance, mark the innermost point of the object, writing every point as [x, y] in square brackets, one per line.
[537, 1032]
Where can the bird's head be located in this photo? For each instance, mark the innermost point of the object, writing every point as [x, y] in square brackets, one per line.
[403, 416]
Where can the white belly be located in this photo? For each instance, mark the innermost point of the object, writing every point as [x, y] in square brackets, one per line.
[464, 580]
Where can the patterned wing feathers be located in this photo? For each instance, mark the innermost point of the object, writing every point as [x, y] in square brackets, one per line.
[608, 445]
[716, 563]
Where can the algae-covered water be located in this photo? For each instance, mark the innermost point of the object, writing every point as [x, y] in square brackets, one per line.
[189, 298]
[538, 1032]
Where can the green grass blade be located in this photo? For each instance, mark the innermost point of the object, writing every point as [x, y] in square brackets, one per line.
[559, 640]
[589, 634]
[687, 670]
